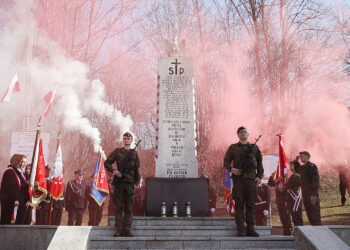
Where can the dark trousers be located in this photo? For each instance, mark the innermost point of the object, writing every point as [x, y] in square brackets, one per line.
[43, 214]
[123, 197]
[297, 216]
[28, 216]
[56, 216]
[260, 218]
[24, 215]
[342, 188]
[95, 213]
[6, 212]
[111, 206]
[75, 216]
[244, 195]
[284, 212]
[313, 212]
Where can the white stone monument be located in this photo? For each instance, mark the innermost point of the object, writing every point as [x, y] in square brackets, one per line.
[176, 154]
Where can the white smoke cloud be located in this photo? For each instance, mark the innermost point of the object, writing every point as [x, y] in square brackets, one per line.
[17, 40]
[95, 102]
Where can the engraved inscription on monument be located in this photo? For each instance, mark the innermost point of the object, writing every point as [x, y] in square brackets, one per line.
[176, 155]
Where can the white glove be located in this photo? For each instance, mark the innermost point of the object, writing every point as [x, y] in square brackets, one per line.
[212, 210]
[266, 212]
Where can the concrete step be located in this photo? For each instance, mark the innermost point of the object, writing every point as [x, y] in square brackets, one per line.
[263, 242]
[178, 231]
[179, 221]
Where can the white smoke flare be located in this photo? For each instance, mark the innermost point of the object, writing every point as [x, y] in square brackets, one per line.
[95, 102]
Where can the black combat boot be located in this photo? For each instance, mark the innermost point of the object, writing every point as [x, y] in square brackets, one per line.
[241, 231]
[251, 232]
[127, 233]
[119, 232]
[343, 200]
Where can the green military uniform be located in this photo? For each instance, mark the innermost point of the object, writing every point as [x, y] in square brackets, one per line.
[310, 183]
[244, 193]
[124, 186]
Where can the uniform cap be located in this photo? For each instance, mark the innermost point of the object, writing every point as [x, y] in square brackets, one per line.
[79, 172]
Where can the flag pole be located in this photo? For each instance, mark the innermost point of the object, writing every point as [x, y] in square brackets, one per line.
[37, 136]
[52, 200]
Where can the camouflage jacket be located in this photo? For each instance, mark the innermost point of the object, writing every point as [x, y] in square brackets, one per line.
[251, 168]
[118, 156]
[310, 179]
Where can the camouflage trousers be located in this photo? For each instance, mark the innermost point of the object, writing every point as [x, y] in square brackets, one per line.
[124, 198]
[244, 195]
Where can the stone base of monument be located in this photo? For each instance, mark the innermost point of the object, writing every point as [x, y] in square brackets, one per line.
[168, 190]
[186, 233]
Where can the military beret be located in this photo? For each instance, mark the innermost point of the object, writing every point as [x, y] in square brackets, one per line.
[79, 172]
[240, 129]
[304, 153]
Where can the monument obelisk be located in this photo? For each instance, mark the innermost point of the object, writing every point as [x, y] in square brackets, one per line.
[176, 178]
[176, 133]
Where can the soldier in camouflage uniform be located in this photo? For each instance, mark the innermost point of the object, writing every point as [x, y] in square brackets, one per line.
[310, 183]
[245, 175]
[124, 182]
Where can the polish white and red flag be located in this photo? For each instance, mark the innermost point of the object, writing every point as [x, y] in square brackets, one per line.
[56, 187]
[49, 100]
[13, 88]
[282, 171]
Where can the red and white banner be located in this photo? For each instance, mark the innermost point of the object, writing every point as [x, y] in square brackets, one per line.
[38, 185]
[49, 100]
[56, 187]
[13, 88]
[282, 171]
[101, 179]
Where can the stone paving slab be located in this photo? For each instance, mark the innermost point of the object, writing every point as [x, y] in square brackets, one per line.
[271, 242]
[193, 231]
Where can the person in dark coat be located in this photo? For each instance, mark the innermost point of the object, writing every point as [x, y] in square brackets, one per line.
[294, 197]
[310, 184]
[282, 207]
[111, 204]
[344, 183]
[95, 210]
[76, 199]
[262, 204]
[44, 207]
[14, 191]
[139, 207]
[57, 210]
[29, 211]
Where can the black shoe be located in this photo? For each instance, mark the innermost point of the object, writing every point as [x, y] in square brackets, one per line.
[241, 232]
[252, 233]
[119, 233]
[343, 200]
[127, 233]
